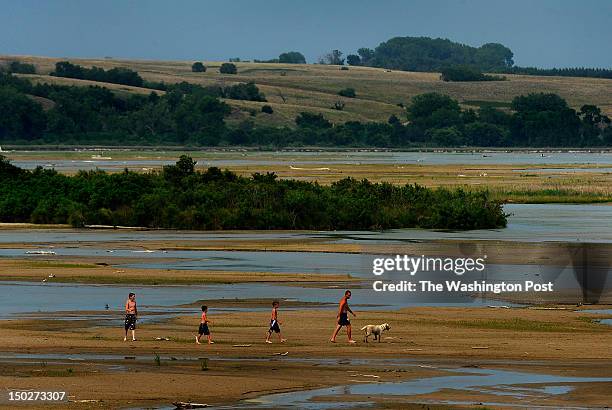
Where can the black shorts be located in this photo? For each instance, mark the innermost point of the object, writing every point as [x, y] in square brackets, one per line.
[344, 320]
[274, 327]
[203, 329]
[130, 322]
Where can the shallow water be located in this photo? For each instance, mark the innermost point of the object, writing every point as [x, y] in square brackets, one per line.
[503, 383]
[535, 223]
[527, 222]
[487, 381]
[20, 298]
[601, 312]
[321, 158]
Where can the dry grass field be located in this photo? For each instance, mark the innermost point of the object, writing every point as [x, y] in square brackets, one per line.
[292, 88]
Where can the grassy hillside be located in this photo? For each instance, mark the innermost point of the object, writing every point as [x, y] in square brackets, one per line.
[291, 89]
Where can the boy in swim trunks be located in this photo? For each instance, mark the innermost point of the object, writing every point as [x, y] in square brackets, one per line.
[274, 324]
[342, 318]
[203, 329]
[131, 313]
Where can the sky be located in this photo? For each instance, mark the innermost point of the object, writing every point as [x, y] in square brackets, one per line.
[541, 33]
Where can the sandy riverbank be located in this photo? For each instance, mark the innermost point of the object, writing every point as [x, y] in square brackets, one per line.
[560, 342]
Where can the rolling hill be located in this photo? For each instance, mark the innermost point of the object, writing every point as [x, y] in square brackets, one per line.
[293, 88]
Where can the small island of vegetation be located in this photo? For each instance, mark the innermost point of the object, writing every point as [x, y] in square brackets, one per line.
[183, 198]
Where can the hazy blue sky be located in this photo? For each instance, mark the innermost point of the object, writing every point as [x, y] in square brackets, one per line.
[542, 33]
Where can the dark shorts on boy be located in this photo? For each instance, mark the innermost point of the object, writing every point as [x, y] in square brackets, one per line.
[274, 327]
[203, 329]
[344, 320]
[130, 322]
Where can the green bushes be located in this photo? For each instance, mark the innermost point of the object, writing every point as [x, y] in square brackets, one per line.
[198, 67]
[292, 57]
[190, 114]
[228, 68]
[20, 116]
[432, 54]
[21, 68]
[347, 92]
[560, 72]
[242, 91]
[180, 197]
[118, 75]
[466, 73]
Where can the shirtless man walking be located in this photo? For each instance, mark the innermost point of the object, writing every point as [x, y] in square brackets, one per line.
[131, 312]
[342, 317]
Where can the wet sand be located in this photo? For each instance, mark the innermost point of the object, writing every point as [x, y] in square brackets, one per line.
[560, 342]
[422, 342]
[86, 270]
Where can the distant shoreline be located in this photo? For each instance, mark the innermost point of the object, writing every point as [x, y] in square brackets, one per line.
[52, 147]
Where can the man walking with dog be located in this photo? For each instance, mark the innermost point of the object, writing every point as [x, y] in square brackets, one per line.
[342, 318]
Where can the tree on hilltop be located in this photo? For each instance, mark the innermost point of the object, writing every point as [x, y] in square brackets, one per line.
[228, 68]
[292, 57]
[198, 67]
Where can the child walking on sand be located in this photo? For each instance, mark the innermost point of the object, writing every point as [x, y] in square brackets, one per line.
[203, 329]
[274, 324]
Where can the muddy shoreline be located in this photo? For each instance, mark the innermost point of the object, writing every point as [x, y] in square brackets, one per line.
[90, 361]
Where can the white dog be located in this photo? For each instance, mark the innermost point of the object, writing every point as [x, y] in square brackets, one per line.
[375, 330]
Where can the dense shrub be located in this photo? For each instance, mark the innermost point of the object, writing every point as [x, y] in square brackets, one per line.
[347, 92]
[228, 68]
[466, 73]
[428, 54]
[198, 67]
[190, 114]
[248, 92]
[292, 57]
[21, 68]
[180, 197]
[118, 75]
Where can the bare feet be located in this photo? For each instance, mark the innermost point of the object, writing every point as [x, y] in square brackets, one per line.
[332, 340]
[268, 341]
[197, 341]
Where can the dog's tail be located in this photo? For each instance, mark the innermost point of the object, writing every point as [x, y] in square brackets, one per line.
[364, 328]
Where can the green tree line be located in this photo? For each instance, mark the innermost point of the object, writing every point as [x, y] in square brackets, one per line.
[189, 114]
[181, 197]
[560, 72]
[118, 75]
[434, 54]
[466, 73]
[429, 54]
